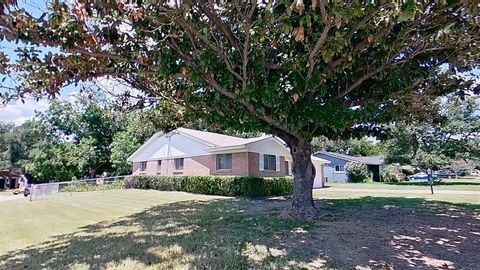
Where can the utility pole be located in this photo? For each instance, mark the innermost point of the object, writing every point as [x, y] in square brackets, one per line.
[430, 179]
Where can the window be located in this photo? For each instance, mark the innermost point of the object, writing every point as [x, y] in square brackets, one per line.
[179, 164]
[224, 162]
[269, 163]
[143, 166]
[159, 166]
[339, 168]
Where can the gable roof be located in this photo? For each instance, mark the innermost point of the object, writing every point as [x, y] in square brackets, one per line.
[369, 160]
[212, 141]
[216, 139]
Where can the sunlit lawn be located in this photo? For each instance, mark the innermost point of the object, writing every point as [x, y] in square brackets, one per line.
[23, 222]
[470, 201]
[133, 229]
[462, 183]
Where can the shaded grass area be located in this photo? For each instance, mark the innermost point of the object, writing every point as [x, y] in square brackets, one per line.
[463, 183]
[227, 233]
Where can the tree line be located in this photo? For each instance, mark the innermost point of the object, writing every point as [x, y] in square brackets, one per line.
[90, 137]
[448, 139]
[79, 139]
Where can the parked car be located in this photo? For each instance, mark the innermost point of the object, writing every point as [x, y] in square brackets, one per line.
[420, 176]
[446, 174]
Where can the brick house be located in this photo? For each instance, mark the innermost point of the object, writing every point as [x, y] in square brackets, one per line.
[192, 152]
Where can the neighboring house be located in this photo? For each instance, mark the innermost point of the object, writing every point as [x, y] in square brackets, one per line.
[192, 152]
[9, 179]
[335, 171]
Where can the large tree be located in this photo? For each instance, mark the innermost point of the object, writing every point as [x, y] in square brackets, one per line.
[297, 69]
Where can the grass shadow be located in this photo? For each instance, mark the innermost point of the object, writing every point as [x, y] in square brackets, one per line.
[244, 234]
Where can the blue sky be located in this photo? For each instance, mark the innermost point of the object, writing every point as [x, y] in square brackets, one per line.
[16, 111]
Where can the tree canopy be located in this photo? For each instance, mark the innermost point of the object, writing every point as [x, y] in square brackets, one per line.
[295, 68]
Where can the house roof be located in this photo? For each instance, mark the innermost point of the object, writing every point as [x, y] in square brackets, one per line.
[216, 139]
[369, 160]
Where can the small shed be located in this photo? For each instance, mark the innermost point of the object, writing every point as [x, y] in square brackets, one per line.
[9, 179]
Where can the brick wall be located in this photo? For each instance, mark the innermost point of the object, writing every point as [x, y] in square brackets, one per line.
[239, 165]
[253, 167]
[243, 164]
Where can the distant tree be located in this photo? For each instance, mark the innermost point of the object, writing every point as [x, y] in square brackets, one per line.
[452, 136]
[6, 158]
[15, 142]
[355, 147]
[50, 161]
[139, 129]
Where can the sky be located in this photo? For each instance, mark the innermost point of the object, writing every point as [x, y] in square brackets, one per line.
[16, 111]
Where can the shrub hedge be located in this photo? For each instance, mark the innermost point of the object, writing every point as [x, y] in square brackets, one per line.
[393, 173]
[83, 187]
[238, 186]
[358, 173]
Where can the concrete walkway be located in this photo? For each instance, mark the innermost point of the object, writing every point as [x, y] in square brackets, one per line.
[402, 191]
[11, 197]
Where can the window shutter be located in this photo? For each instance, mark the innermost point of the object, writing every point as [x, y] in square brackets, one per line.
[260, 162]
[277, 163]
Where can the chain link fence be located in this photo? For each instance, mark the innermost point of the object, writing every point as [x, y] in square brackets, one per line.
[46, 190]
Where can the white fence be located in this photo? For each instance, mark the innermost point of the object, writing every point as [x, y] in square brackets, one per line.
[42, 191]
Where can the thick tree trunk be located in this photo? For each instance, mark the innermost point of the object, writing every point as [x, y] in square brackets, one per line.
[303, 170]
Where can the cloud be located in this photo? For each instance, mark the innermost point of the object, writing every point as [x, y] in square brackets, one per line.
[115, 87]
[18, 112]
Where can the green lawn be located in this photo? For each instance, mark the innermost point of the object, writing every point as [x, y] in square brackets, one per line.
[469, 201]
[134, 229]
[25, 223]
[462, 183]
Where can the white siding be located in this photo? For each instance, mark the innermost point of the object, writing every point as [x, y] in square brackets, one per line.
[277, 163]
[260, 162]
[171, 147]
[318, 181]
[269, 147]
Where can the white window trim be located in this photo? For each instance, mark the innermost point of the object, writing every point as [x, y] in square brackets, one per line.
[335, 168]
[260, 162]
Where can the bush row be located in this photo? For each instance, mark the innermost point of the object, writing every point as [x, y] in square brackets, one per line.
[358, 173]
[393, 173]
[238, 186]
[83, 187]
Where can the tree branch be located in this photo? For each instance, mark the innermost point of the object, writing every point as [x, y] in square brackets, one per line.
[319, 43]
